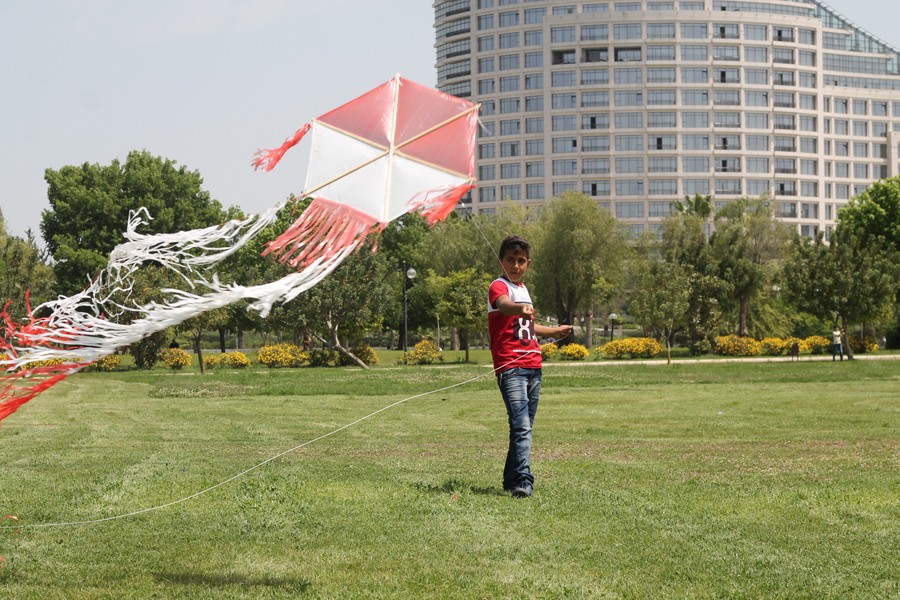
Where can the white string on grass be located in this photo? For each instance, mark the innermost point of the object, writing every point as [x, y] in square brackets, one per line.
[265, 462]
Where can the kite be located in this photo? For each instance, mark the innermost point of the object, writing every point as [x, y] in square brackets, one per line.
[401, 147]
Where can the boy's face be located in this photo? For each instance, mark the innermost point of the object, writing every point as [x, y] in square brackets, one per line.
[515, 263]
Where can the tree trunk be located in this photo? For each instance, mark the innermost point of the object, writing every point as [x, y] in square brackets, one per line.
[589, 329]
[454, 338]
[240, 339]
[340, 348]
[742, 316]
[222, 339]
[845, 339]
[199, 354]
[464, 341]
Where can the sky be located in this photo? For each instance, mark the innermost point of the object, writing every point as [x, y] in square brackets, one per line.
[207, 82]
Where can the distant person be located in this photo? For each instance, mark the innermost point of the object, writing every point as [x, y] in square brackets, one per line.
[174, 344]
[837, 346]
[795, 351]
[517, 359]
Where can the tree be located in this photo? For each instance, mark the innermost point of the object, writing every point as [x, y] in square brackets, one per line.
[875, 214]
[661, 300]
[746, 245]
[348, 303]
[195, 328]
[845, 282]
[580, 253]
[459, 298]
[90, 205]
[22, 271]
[698, 206]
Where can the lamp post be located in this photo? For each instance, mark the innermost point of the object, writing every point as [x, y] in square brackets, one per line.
[408, 275]
[612, 325]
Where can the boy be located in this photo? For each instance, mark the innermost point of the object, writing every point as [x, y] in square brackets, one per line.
[517, 359]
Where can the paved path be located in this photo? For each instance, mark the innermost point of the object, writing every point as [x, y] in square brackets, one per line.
[690, 361]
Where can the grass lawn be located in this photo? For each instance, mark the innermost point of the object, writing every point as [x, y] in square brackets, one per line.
[763, 480]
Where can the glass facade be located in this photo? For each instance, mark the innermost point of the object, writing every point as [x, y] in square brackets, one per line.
[641, 103]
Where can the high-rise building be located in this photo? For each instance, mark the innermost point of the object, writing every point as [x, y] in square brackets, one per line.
[640, 103]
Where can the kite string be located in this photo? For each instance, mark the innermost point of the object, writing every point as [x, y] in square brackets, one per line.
[268, 460]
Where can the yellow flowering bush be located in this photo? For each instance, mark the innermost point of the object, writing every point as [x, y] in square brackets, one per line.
[549, 351]
[643, 347]
[110, 362]
[236, 360]
[47, 362]
[282, 355]
[212, 361]
[175, 358]
[862, 345]
[772, 346]
[573, 352]
[423, 353]
[801, 344]
[817, 344]
[734, 345]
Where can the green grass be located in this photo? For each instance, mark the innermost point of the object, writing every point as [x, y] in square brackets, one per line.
[762, 480]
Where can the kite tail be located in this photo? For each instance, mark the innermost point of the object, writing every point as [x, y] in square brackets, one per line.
[18, 388]
[324, 232]
[267, 159]
[438, 207]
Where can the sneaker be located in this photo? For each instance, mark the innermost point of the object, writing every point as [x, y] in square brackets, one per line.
[521, 491]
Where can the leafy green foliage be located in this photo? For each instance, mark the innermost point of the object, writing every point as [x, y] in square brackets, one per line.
[90, 205]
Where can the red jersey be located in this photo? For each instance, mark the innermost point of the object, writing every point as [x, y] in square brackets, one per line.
[512, 338]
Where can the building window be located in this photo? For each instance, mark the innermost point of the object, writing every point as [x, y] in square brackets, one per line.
[534, 147]
[665, 164]
[627, 31]
[629, 120]
[590, 99]
[695, 142]
[510, 171]
[629, 210]
[596, 121]
[689, 53]
[534, 169]
[592, 33]
[562, 34]
[695, 164]
[694, 31]
[595, 143]
[628, 143]
[630, 165]
[595, 166]
[663, 187]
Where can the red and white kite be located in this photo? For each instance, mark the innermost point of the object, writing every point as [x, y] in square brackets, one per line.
[401, 147]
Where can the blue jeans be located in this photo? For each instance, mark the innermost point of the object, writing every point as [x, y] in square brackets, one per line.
[837, 349]
[521, 390]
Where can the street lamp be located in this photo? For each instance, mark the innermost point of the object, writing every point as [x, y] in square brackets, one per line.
[612, 325]
[408, 276]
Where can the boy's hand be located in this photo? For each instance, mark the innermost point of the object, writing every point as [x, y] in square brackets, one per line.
[527, 310]
[563, 331]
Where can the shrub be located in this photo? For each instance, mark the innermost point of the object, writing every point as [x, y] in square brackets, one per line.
[803, 346]
[176, 358]
[423, 353]
[213, 361]
[863, 345]
[734, 345]
[573, 352]
[549, 351]
[47, 362]
[818, 344]
[110, 362]
[235, 360]
[282, 355]
[771, 346]
[363, 352]
[632, 347]
[147, 352]
[323, 358]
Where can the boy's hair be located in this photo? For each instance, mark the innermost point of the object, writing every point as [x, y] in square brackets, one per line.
[514, 242]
